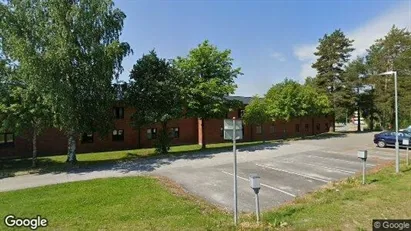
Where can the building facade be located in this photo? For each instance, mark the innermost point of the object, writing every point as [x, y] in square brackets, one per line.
[183, 131]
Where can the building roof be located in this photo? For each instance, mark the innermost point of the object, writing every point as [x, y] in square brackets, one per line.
[244, 99]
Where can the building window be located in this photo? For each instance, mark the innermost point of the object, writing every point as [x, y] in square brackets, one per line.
[152, 133]
[222, 131]
[297, 128]
[272, 129]
[175, 132]
[306, 127]
[326, 127]
[258, 129]
[118, 135]
[6, 139]
[240, 113]
[318, 127]
[87, 138]
[118, 112]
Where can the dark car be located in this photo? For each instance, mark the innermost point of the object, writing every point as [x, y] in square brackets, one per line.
[387, 138]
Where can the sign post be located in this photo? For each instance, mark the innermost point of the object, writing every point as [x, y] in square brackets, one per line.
[233, 131]
[407, 143]
[235, 175]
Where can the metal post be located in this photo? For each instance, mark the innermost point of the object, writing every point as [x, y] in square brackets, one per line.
[235, 174]
[257, 207]
[397, 151]
[407, 156]
[363, 170]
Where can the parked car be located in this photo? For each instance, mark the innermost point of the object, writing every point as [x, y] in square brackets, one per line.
[407, 129]
[387, 138]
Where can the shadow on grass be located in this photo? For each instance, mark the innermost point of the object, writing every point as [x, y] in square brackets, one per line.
[139, 161]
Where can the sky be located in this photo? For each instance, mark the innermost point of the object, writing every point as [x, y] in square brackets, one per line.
[269, 39]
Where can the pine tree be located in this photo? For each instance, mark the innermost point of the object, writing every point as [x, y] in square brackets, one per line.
[333, 53]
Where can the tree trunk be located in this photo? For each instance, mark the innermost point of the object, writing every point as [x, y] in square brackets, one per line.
[358, 120]
[71, 150]
[34, 159]
[203, 144]
[251, 135]
[302, 131]
[312, 126]
[335, 107]
[262, 133]
[139, 137]
[164, 141]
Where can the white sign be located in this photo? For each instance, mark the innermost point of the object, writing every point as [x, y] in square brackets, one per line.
[228, 124]
[228, 135]
[228, 129]
[405, 142]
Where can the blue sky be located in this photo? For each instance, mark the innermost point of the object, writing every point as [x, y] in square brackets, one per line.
[269, 40]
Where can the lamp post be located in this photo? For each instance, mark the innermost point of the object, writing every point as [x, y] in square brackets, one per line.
[397, 151]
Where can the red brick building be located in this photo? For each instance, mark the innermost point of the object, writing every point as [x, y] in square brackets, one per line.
[183, 131]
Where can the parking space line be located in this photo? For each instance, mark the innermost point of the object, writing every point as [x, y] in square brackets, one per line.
[322, 166]
[346, 161]
[265, 185]
[295, 173]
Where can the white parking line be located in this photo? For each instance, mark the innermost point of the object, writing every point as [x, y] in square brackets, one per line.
[265, 185]
[321, 166]
[295, 173]
[346, 161]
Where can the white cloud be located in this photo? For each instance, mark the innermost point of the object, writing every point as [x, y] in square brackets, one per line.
[364, 36]
[278, 56]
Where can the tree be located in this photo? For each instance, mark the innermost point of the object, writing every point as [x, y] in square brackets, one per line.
[73, 50]
[284, 100]
[155, 91]
[290, 99]
[256, 113]
[208, 78]
[22, 110]
[393, 52]
[333, 53]
[350, 95]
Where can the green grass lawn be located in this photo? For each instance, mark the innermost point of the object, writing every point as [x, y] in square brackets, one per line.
[130, 203]
[348, 205]
[146, 203]
[9, 168]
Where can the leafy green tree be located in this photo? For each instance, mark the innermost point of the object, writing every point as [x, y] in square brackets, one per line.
[155, 91]
[256, 113]
[24, 111]
[284, 100]
[290, 99]
[74, 52]
[208, 78]
[393, 52]
[333, 53]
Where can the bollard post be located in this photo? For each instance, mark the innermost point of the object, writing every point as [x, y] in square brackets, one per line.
[255, 185]
[362, 154]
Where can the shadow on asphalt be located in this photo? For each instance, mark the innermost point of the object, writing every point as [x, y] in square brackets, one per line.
[136, 163]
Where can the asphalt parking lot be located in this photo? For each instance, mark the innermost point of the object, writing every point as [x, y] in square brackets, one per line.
[287, 171]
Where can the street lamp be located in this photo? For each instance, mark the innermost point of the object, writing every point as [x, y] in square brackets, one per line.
[397, 151]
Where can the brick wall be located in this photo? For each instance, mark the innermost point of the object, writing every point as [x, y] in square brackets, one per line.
[54, 142]
[281, 129]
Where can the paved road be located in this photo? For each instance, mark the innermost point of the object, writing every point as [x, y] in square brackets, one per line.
[287, 170]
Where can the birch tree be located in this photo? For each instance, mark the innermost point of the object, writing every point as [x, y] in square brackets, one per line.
[73, 49]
